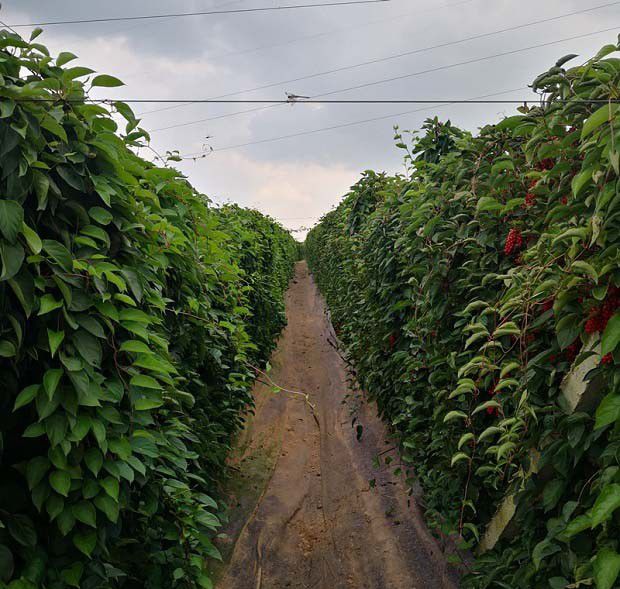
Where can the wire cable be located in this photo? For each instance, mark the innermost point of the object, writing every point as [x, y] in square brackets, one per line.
[400, 55]
[203, 13]
[414, 74]
[201, 154]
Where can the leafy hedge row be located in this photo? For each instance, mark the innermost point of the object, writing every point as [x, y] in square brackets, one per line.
[130, 316]
[466, 292]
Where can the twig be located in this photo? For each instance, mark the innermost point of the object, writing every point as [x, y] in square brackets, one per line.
[305, 396]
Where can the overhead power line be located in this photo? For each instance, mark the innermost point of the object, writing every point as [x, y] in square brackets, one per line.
[202, 13]
[386, 80]
[200, 154]
[320, 101]
[399, 55]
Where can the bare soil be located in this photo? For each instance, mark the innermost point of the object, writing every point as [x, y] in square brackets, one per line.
[311, 509]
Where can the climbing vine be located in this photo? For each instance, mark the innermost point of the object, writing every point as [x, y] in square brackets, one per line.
[130, 314]
[478, 297]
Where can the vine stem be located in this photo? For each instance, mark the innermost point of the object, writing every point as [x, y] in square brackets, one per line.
[305, 396]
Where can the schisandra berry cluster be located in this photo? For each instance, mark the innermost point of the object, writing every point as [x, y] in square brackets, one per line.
[514, 242]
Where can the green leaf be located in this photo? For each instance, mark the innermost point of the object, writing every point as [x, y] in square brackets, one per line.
[51, 378]
[59, 254]
[65, 57]
[135, 346]
[608, 411]
[60, 480]
[54, 127]
[606, 568]
[94, 460]
[144, 404]
[147, 382]
[454, 415]
[85, 512]
[611, 335]
[606, 503]
[35, 470]
[55, 338]
[108, 506]
[106, 81]
[7, 564]
[85, 542]
[26, 396]
[47, 304]
[22, 529]
[101, 215]
[73, 575]
[110, 485]
[602, 115]
[32, 239]
[11, 219]
[7, 349]
[12, 257]
[88, 347]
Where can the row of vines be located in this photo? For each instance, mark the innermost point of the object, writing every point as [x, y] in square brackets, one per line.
[132, 314]
[465, 292]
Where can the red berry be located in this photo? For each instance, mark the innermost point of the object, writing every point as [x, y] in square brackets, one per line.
[514, 241]
[607, 359]
[530, 200]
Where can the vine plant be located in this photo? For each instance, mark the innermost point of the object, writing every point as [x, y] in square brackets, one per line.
[466, 292]
[129, 314]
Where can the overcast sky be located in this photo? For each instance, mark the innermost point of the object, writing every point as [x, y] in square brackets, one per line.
[298, 179]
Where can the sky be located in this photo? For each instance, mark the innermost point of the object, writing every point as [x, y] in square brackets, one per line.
[298, 179]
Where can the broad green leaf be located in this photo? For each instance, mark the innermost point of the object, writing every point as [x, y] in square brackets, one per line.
[21, 529]
[608, 411]
[611, 335]
[55, 338]
[65, 57]
[51, 378]
[606, 503]
[85, 542]
[606, 568]
[7, 349]
[603, 115]
[48, 303]
[144, 404]
[26, 396]
[110, 485]
[12, 257]
[106, 81]
[11, 219]
[101, 215]
[59, 254]
[94, 460]
[60, 481]
[36, 469]
[85, 512]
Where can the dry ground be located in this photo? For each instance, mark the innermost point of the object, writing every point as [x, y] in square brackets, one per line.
[308, 516]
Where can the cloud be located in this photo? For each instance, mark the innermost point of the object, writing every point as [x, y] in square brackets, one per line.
[296, 192]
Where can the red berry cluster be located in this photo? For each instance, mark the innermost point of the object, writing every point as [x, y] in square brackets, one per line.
[492, 410]
[564, 200]
[392, 341]
[600, 316]
[530, 200]
[514, 241]
[548, 304]
[545, 164]
[573, 351]
[607, 359]
[569, 354]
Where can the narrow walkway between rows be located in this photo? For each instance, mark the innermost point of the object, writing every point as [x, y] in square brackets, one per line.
[325, 517]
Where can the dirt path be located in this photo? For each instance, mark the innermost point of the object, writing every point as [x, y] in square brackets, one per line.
[317, 522]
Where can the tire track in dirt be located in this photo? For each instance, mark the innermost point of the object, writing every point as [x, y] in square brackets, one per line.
[318, 524]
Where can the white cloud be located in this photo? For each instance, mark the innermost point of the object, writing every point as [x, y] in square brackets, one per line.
[295, 192]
